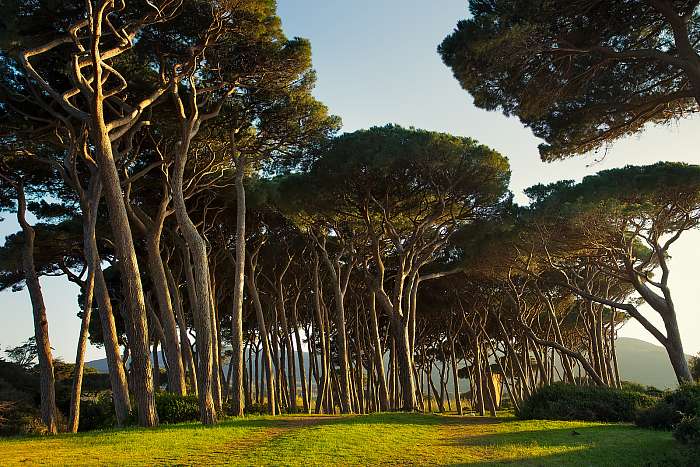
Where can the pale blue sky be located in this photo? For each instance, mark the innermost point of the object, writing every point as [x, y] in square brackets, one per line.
[377, 64]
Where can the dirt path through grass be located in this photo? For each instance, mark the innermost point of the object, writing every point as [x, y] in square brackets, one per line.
[232, 452]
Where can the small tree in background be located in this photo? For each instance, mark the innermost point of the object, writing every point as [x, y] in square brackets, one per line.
[25, 354]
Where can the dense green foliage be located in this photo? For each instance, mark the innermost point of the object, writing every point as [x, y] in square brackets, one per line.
[97, 412]
[685, 399]
[20, 394]
[679, 405]
[561, 401]
[173, 408]
[579, 74]
[660, 416]
[688, 430]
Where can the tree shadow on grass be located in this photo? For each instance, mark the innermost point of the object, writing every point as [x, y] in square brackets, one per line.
[614, 445]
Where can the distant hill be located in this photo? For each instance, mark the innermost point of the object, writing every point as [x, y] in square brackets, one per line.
[644, 363]
[638, 361]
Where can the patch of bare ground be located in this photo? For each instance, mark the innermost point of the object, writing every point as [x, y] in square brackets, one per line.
[231, 453]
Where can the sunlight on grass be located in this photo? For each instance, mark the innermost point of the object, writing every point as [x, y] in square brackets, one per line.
[358, 440]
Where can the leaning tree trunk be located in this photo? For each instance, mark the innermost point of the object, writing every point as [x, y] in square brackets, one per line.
[674, 348]
[378, 356]
[76, 388]
[341, 334]
[238, 284]
[455, 376]
[187, 355]
[322, 388]
[176, 370]
[117, 375]
[287, 347]
[264, 338]
[300, 356]
[41, 324]
[341, 340]
[128, 265]
[89, 212]
[200, 268]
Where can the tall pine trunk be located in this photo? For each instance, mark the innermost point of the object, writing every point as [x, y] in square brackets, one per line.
[41, 325]
[124, 246]
[89, 212]
[378, 356]
[238, 284]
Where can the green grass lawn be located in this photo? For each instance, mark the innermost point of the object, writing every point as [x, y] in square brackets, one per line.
[370, 439]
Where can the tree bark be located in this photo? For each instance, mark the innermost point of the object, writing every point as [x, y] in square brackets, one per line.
[89, 212]
[117, 375]
[321, 389]
[49, 414]
[404, 359]
[238, 284]
[156, 268]
[262, 329]
[125, 252]
[300, 357]
[455, 377]
[202, 307]
[338, 281]
[185, 346]
[378, 356]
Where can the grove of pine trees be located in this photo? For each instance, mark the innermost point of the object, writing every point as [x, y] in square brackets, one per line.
[183, 175]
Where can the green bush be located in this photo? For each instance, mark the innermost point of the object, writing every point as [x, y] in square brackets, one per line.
[661, 416]
[637, 387]
[255, 409]
[688, 430]
[685, 399]
[97, 413]
[632, 386]
[19, 402]
[561, 401]
[19, 418]
[173, 408]
[668, 412]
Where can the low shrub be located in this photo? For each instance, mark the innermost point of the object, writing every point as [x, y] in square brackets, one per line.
[661, 416]
[19, 410]
[685, 399]
[669, 411]
[688, 430]
[97, 413]
[637, 387]
[18, 418]
[561, 401]
[173, 408]
[255, 409]
[632, 386]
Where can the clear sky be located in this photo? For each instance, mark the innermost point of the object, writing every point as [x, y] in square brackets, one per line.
[377, 63]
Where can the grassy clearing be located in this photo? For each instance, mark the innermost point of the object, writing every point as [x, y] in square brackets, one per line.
[371, 439]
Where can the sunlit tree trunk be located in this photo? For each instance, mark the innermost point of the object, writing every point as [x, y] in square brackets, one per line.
[89, 212]
[123, 244]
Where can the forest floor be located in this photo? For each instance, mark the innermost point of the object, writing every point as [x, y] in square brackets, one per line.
[388, 439]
